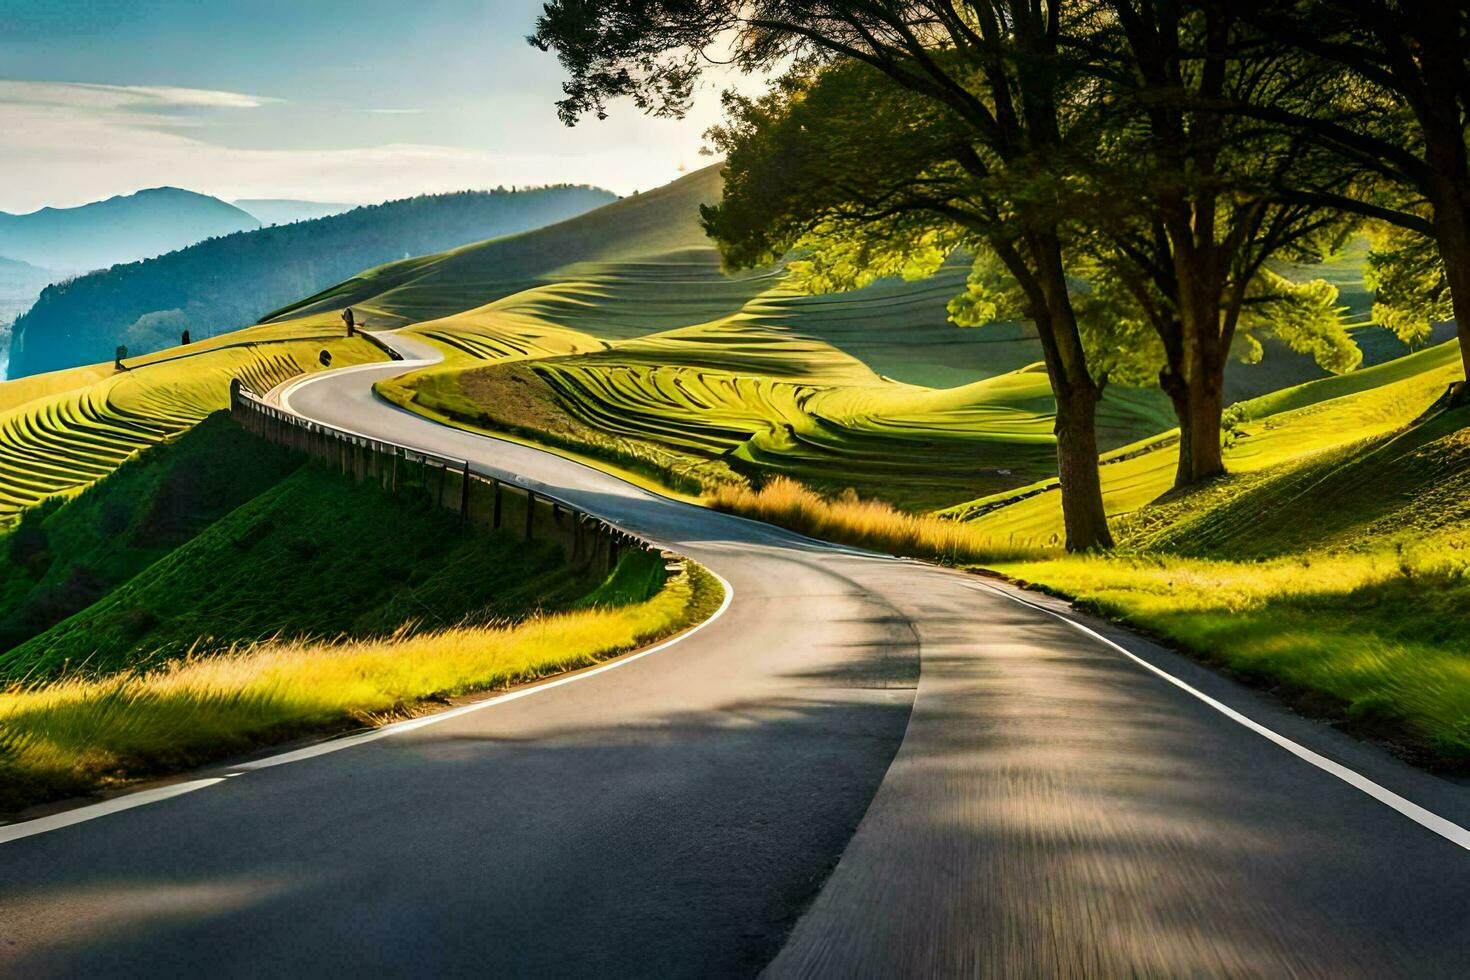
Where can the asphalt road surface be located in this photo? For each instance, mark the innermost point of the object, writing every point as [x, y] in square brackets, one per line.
[864, 767]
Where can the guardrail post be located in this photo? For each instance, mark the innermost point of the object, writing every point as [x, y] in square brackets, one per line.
[592, 540]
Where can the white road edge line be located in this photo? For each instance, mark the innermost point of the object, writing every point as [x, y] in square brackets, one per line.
[68, 818]
[1427, 819]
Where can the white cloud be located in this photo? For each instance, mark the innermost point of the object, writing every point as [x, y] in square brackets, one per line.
[394, 112]
[95, 97]
[70, 143]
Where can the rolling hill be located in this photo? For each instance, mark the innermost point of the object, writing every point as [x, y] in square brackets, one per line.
[615, 334]
[119, 229]
[226, 283]
[633, 347]
[60, 432]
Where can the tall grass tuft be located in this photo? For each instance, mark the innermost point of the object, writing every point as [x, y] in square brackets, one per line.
[79, 735]
[871, 524]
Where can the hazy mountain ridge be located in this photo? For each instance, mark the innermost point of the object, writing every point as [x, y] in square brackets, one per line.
[229, 282]
[121, 229]
[285, 211]
[20, 284]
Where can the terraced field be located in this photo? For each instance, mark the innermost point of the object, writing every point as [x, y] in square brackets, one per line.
[769, 401]
[1284, 427]
[628, 320]
[632, 344]
[61, 432]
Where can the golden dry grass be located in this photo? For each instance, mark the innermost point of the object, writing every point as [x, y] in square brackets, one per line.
[872, 524]
[77, 736]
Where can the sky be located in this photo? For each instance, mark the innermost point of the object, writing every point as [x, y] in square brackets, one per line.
[320, 100]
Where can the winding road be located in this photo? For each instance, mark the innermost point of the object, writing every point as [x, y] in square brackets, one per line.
[864, 766]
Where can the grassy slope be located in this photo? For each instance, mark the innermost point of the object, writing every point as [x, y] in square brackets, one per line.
[1333, 562]
[308, 554]
[1276, 428]
[64, 558]
[61, 432]
[84, 735]
[642, 353]
[1345, 574]
[248, 596]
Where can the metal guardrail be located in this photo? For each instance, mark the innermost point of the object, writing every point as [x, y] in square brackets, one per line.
[447, 481]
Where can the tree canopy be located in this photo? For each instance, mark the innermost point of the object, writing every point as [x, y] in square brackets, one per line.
[1126, 174]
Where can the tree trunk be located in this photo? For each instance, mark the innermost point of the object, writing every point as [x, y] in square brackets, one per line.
[1173, 386]
[1452, 227]
[1201, 455]
[1083, 515]
[1077, 394]
[1200, 375]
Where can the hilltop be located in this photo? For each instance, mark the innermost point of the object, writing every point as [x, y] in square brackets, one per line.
[125, 228]
[284, 211]
[225, 283]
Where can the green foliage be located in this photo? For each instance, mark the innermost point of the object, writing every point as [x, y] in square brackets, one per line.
[990, 295]
[845, 169]
[1407, 277]
[637, 577]
[1306, 315]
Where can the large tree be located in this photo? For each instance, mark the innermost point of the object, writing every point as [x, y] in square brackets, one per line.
[1400, 111]
[863, 180]
[995, 67]
[1193, 203]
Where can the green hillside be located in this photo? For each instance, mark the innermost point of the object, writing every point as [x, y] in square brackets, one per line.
[633, 347]
[220, 538]
[217, 593]
[638, 351]
[62, 431]
[1268, 432]
[1331, 566]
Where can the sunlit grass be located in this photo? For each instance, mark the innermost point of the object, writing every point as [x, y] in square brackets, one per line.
[76, 736]
[870, 524]
[62, 431]
[1379, 632]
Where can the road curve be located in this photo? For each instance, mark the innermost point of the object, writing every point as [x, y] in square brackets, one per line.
[866, 767]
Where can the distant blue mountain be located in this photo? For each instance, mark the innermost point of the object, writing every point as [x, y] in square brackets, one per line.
[119, 229]
[20, 284]
[230, 282]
